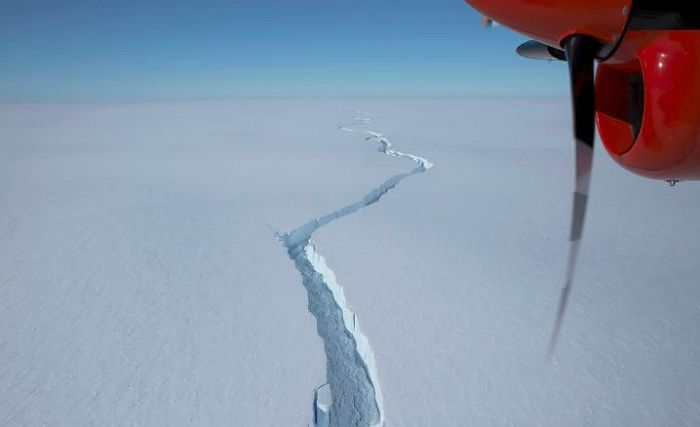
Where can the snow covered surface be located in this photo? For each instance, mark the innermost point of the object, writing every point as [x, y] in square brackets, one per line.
[141, 282]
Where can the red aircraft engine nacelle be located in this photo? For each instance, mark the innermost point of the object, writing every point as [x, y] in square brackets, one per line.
[647, 87]
[552, 21]
[648, 103]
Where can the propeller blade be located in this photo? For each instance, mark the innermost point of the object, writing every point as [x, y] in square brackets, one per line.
[581, 53]
[532, 49]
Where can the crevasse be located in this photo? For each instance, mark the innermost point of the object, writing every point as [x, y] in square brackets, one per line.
[350, 366]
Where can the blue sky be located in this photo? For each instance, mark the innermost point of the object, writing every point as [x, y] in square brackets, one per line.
[93, 50]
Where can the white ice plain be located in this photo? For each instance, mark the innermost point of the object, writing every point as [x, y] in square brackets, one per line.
[141, 282]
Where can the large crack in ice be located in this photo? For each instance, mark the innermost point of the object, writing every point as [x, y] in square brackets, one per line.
[350, 367]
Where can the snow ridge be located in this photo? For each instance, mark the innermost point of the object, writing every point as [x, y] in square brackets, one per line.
[350, 365]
